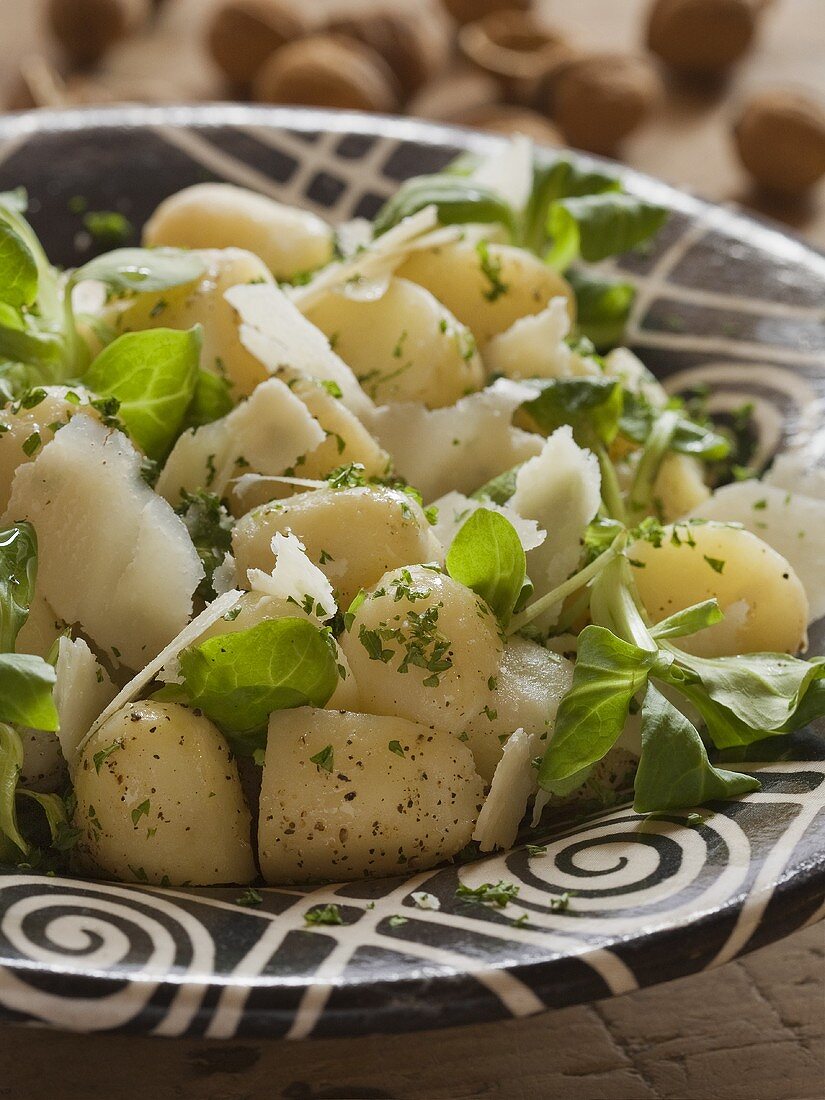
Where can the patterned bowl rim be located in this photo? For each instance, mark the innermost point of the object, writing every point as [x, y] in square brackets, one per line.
[779, 901]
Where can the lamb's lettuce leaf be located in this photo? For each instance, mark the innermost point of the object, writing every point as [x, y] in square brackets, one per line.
[487, 556]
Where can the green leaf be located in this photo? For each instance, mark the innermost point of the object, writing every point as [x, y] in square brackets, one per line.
[211, 400]
[458, 200]
[589, 405]
[210, 527]
[597, 226]
[26, 684]
[18, 572]
[700, 440]
[143, 270]
[500, 489]
[153, 375]
[697, 617]
[239, 679]
[41, 350]
[18, 269]
[674, 772]
[602, 307]
[54, 809]
[11, 763]
[487, 556]
[552, 181]
[723, 727]
[762, 689]
[593, 713]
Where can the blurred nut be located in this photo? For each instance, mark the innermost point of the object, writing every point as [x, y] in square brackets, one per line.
[413, 40]
[780, 138]
[86, 29]
[244, 33]
[598, 100]
[514, 48]
[512, 120]
[468, 11]
[328, 71]
[701, 36]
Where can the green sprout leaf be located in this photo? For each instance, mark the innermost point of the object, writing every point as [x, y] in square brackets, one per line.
[597, 226]
[674, 772]
[602, 307]
[697, 617]
[18, 269]
[457, 199]
[11, 763]
[592, 406]
[18, 572]
[487, 556]
[143, 270]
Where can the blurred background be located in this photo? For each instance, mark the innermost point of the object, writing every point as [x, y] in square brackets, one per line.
[723, 97]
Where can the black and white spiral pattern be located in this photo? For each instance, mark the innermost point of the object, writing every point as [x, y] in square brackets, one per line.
[722, 301]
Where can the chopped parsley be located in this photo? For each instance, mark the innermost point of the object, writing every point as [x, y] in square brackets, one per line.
[395, 746]
[716, 564]
[100, 757]
[499, 894]
[536, 849]
[140, 811]
[249, 899]
[491, 269]
[324, 759]
[109, 228]
[324, 914]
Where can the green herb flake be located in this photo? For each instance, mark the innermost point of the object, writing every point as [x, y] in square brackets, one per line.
[537, 850]
[396, 921]
[100, 757]
[109, 228]
[249, 899]
[395, 746]
[140, 811]
[491, 269]
[324, 759]
[31, 444]
[716, 564]
[324, 914]
[499, 894]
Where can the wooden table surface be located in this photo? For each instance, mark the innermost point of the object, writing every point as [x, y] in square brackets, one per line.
[753, 1030]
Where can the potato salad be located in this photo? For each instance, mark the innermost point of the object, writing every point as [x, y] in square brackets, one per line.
[340, 552]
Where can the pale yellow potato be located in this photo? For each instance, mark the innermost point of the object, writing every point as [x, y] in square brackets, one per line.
[766, 605]
[679, 485]
[353, 535]
[202, 303]
[527, 690]
[256, 607]
[521, 284]
[375, 810]
[220, 215]
[19, 426]
[403, 346]
[423, 647]
[165, 805]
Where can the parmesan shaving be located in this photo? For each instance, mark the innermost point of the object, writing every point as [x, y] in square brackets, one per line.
[275, 331]
[295, 578]
[513, 783]
[187, 636]
[509, 172]
[461, 446]
[82, 689]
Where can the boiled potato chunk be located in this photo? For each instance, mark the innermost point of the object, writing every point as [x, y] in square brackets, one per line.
[423, 647]
[162, 803]
[403, 346]
[388, 797]
[220, 215]
[765, 605]
[25, 431]
[202, 303]
[487, 289]
[528, 688]
[353, 535]
[679, 485]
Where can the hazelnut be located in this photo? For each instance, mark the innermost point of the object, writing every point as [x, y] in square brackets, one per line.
[701, 36]
[780, 138]
[512, 120]
[244, 33]
[515, 49]
[597, 100]
[86, 29]
[413, 40]
[328, 71]
[468, 11]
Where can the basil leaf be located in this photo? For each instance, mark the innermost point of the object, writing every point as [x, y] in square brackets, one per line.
[153, 375]
[688, 621]
[26, 684]
[211, 400]
[593, 713]
[143, 270]
[18, 572]
[762, 689]
[457, 199]
[11, 763]
[674, 772]
[239, 679]
[487, 556]
[602, 307]
[18, 269]
[597, 226]
[589, 405]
